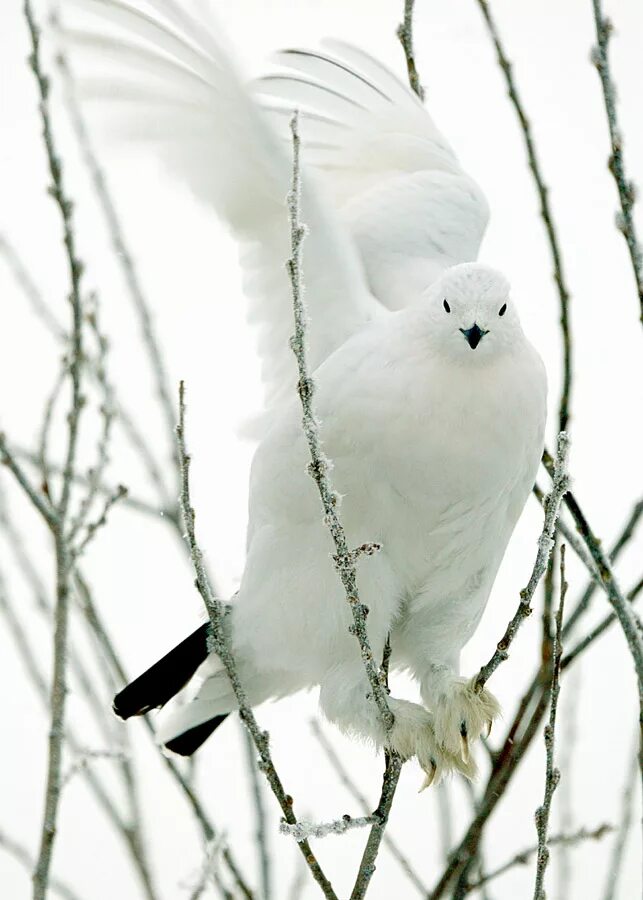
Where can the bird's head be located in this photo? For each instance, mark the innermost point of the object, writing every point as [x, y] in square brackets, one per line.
[471, 314]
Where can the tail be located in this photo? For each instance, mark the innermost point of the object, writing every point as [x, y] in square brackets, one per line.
[162, 681]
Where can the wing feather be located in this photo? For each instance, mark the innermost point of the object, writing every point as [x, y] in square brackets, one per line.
[165, 77]
[395, 179]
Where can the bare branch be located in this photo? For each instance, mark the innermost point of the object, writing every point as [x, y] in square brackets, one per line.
[352, 788]
[30, 661]
[42, 505]
[20, 853]
[552, 774]
[626, 616]
[600, 628]
[59, 524]
[545, 212]
[106, 646]
[319, 467]
[627, 819]
[304, 829]
[261, 833]
[121, 251]
[558, 840]
[616, 164]
[545, 543]
[405, 35]
[625, 536]
[24, 280]
[100, 521]
[218, 643]
[381, 814]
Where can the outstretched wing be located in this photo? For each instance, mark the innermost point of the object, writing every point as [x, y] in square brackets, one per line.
[410, 207]
[163, 77]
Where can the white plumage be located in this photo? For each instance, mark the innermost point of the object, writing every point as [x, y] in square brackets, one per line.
[432, 401]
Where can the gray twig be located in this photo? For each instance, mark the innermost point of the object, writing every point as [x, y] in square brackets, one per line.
[304, 829]
[545, 212]
[100, 521]
[20, 853]
[567, 757]
[600, 628]
[218, 642]
[552, 774]
[57, 519]
[367, 864]
[405, 35]
[616, 163]
[390, 843]
[107, 413]
[261, 833]
[106, 645]
[627, 617]
[121, 251]
[23, 278]
[551, 504]
[557, 840]
[41, 503]
[627, 819]
[32, 667]
[319, 467]
[625, 536]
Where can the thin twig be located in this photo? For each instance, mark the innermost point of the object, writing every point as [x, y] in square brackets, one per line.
[507, 761]
[344, 777]
[568, 755]
[319, 468]
[560, 483]
[218, 643]
[405, 35]
[552, 774]
[616, 164]
[86, 683]
[30, 661]
[59, 524]
[600, 628]
[545, 212]
[22, 855]
[41, 503]
[520, 734]
[626, 616]
[107, 414]
[625, 536]
[24, 280]
[43, 440]
[106, 645]
[304, 829]
[557, 840]
[100, 521]
[261, 833]
[445, 819]
[627, 818]
[121, 251]
[367, 864]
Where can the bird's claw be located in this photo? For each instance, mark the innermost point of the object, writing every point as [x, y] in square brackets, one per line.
[429, 777]
[464, 743]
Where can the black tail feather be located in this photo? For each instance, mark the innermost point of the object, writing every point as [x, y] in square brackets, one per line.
[186, 744]
[165, 679]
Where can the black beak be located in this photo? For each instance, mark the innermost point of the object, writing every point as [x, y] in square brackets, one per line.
[473, 335]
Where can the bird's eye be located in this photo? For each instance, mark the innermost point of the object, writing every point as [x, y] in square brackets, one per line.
[446, 306]
[502, 310]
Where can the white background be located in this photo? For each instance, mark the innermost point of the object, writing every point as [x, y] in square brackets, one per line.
[189, 270]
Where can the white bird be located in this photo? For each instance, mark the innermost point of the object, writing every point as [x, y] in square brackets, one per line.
[431, 398]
